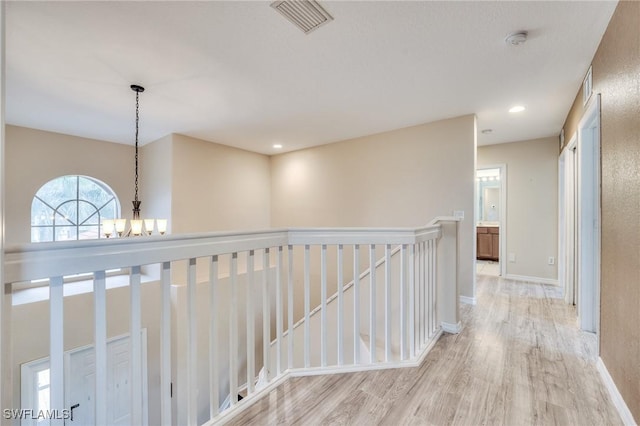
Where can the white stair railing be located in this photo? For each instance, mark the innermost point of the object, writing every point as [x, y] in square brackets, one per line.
[234, 305]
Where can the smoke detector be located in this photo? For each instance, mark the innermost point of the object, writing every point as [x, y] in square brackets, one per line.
[307, 15]
[516, 39]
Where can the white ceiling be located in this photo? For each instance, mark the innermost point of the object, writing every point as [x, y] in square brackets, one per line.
[239, 74]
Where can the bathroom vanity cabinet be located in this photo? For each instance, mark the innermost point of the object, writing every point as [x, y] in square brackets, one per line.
[488, 243]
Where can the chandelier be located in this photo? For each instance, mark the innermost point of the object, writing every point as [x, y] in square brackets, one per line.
[137, 226]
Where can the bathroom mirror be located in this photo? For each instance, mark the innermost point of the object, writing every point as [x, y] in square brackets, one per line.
[488, 181]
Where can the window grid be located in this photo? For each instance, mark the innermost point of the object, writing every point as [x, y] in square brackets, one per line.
[58, 206]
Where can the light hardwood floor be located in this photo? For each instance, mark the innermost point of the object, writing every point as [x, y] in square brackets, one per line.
[519, 360]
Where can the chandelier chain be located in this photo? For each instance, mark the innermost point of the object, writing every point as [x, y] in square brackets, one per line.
[137, 124]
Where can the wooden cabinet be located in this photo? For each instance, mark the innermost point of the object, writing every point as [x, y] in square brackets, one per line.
[488, 243]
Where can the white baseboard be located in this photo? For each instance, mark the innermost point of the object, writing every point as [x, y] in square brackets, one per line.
[618, 402]
[468, 300]
[532, 279]
[451, 328]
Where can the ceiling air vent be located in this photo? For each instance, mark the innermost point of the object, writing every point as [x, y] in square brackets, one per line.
[304, 14]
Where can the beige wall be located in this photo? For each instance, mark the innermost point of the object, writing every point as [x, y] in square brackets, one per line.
[34, 157]
[217, 188]
[403, 177]
[616, 75]
[156, 166]
[532, 203]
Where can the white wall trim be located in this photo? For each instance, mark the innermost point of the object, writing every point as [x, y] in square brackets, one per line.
[451, 328]
[540, 280]
[468, 300]
[618, 401]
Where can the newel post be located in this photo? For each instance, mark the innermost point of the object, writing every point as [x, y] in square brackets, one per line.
[447, 277]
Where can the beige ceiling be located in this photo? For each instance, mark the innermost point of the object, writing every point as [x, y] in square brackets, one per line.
[239, 74]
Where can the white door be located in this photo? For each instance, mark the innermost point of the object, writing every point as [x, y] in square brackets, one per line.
[118, 385]
[80, 387]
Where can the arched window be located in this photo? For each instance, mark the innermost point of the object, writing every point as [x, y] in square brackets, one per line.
[72, 208]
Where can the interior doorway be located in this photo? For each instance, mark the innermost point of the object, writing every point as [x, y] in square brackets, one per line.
[580, 218]
[490, 219]
[568, 209]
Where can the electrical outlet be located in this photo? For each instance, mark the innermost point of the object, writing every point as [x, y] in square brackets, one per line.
[552, 260]
[512, 257]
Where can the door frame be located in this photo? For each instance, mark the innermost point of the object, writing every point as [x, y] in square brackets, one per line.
[589, 218]
[503, 214]
[567, 210]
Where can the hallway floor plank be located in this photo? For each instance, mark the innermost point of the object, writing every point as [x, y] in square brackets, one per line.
[519, 360]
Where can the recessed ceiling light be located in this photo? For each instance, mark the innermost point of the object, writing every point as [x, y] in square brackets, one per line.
[517, 108]
[487, 131]
[277, 146]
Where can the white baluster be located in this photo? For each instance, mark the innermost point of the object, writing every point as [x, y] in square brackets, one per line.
[412, 300]
[340, 307]
[434, 304]
[100, 345]
[56, 346]
[214, 390]
[165, 346]
[420, 295]
[192, 346]
[290, 307]
[251, 375]
[266, 316]
[356, 304]
[387, 303]
[233, 330]
[136, 346]
[279, 313]
[425, 290]
[372, 304]
[307, 335]
[323, 303]
[432, 298]
[403, 302]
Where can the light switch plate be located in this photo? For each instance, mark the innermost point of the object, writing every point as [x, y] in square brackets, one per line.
[458, 214]
[512, 257]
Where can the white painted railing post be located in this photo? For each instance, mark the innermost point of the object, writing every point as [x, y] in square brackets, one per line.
[307, 332]
[290, 334]
[323, 304]
[56, 347]
[403, 302]
[447, 277]
[100, 346]
[192, 346]
[136, 346]
[279, 313]
[165, 346]
[249, 287]
[340, 306]
[412, 298]
[266, 316]
[214, 390]
[387, 302]
[356, 304]
[372, 304]
[233, 330]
